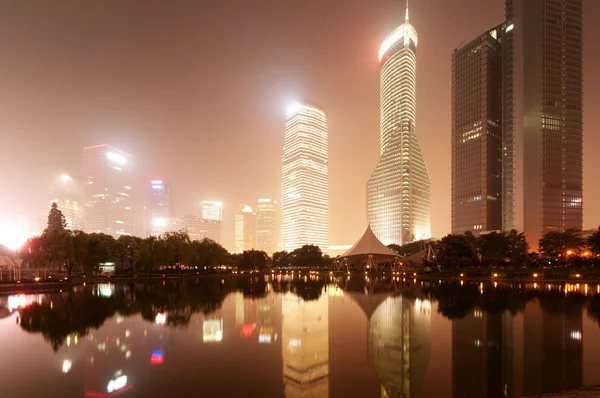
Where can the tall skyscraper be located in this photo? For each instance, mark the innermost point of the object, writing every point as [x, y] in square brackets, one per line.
[266, 225]
[245, 229]
[543, 118]
[107, 190]
[477, 134]
[305, 179]
[212, 210]
[158, 208]
[398, 190]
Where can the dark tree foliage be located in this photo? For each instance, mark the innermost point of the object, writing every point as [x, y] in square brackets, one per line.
[307, 256]
[56, 219]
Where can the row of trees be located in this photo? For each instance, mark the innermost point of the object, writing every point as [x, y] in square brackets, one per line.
[76, 251]
[497, 248]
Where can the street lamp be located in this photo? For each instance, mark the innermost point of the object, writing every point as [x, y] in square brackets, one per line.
[65, 177]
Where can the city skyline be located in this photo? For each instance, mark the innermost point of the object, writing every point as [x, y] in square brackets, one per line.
[140, 127]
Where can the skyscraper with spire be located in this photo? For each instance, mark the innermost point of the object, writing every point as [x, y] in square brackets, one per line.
[398, 190]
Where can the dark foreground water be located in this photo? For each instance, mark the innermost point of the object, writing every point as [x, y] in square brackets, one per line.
[302, 337]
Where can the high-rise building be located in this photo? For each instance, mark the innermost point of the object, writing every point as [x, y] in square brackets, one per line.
[67, 193]
[245, 229]
[543, 119]
[107, 190]
[305, 184]
[398, 190]
[212, 210]
[266, 225]
[158, 208]
[199, 228]
[477, 134]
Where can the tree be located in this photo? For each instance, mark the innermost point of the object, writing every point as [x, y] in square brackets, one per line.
[307, 256]
[99, 250]
[208, 253]
[125, 250]
[178, 248]
[493, 248]
[76, 250]
[56, 219]
[281, 259]
[593, 242]
[558, 245]
[32, 253]
[455, 250]
[254, 259]
[518, 247]
[147, 256]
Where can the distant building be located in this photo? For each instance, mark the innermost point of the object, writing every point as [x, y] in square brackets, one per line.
[266, 225]
[212, 210]
[398, 203]
[477, 134]
[305, 179]
[158, 208]
[67, 193]
[107, 191]
[198, 228]
[245, 229]
[543, 116]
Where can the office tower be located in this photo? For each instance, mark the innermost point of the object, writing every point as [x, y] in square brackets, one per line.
[199, 228]
[398, 190]
[399, 345]
[158, 208]
[107, 191]
[305, 346]
[212, 210]
[305, 185]
[245, 229]
[266, 225]
[477, 134]
[543, 119]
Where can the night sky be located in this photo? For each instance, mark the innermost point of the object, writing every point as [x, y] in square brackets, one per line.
[197, 90]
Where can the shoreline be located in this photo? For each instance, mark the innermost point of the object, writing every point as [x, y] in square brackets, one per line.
[31, 287]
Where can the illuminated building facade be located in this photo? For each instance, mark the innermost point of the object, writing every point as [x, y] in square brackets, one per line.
[107, 191]
[305, 179]
[477, 134]
[266, 225]
[399, 345]
[305, 346]
[543, 117]
[398, 189]
[199, 228]
[212, 210]
[158, 208]
[73, 212]
[245, 229]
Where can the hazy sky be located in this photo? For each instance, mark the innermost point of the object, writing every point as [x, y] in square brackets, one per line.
[197, 90]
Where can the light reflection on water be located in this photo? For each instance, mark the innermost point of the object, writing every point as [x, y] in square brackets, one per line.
[301, 336]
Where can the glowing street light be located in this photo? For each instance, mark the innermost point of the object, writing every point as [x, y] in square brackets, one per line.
[65, 177]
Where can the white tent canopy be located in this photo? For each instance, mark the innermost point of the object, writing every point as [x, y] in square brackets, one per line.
[369, 245]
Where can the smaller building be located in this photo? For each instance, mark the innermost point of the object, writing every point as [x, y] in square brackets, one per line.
[212, 210]
[199, 228]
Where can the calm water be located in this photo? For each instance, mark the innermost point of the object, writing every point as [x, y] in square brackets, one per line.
[278, 337]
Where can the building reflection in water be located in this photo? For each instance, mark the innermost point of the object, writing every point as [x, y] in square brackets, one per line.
[532, 353]
[305, 346]
[399, 345]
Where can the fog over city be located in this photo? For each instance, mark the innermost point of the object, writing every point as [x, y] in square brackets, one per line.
[196, 91]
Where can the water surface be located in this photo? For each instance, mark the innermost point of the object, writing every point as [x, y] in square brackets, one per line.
[301, 337]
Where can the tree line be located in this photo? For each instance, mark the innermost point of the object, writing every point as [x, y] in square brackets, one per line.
[78, 252]
[556, 248]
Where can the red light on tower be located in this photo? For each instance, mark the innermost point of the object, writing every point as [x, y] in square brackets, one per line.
[157, 358]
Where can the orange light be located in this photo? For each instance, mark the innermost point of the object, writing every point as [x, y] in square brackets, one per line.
[569, 252]
[495, 275]
[535, 275]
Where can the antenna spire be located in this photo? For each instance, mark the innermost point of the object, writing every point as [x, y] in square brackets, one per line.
[406, 11]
